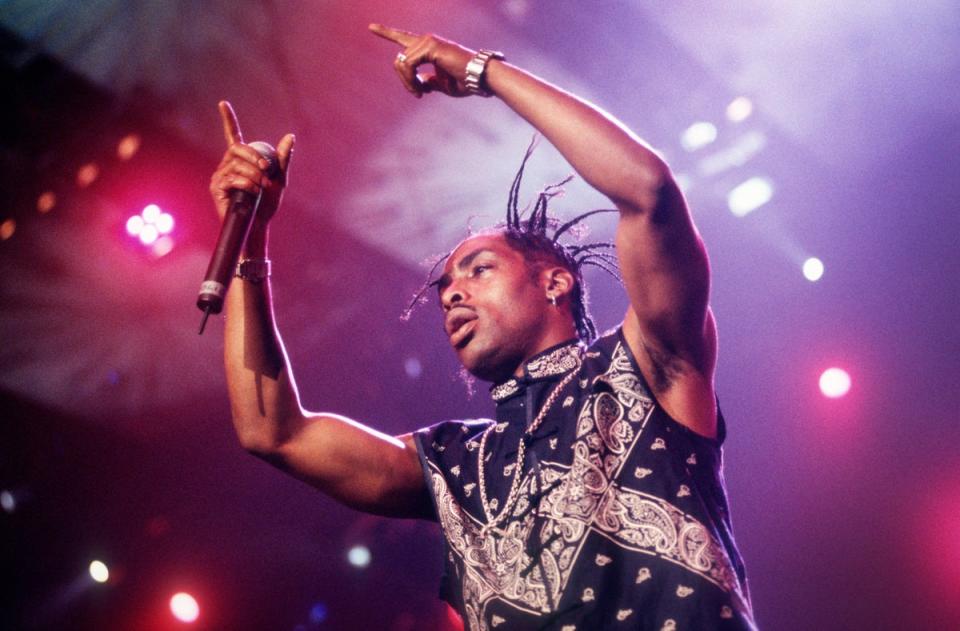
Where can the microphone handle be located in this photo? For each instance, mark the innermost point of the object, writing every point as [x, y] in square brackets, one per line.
[223, 263]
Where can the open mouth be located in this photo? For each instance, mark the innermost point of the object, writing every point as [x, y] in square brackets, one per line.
[463, 334]
[460, 325]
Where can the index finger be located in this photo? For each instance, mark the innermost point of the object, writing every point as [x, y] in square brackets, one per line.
[231, 127]
[404, 38]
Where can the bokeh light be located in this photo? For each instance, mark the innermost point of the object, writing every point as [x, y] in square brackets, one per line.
[128, 146]
[8, 501]
[318, 613]
[135, 225]
[99, 571]
[184, 607]
[739, 109]
[749, 196]
[359, 556]
[813, 269]
[412, 367]
[151, 212]
[164, 223]
[148, 234]
[87, 174]
[698, 135]
[7, 228]
[162, 247]
[834, 383]
[46, 201]
[151, 227]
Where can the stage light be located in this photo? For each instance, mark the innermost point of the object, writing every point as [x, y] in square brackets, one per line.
[698, 135]
[8, 501]
[163, 246]
[739, 109]
[412, 367]
[99, 571]
[46, 202]
[7, 228]
[834, 383]
[318, 613]
[135, 225]
[813, 269]
[128, 146]
[87, 174]
[749, 196]
[151, 226]
[164, 223]
[359, 556]
[151, 212]
[184, 607]
[148, 234]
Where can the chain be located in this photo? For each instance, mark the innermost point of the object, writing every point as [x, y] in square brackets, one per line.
[514, 493]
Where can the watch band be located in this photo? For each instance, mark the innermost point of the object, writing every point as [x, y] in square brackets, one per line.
[476, 68]
[253, 270]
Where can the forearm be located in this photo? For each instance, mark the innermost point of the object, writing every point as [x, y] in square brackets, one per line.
[606, 154]
[263, 395]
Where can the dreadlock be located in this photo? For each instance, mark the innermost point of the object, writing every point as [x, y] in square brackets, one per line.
[530, 237]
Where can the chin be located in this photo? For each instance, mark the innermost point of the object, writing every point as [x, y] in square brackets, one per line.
[486, 363]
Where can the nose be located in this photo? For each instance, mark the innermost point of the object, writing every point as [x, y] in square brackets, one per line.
[452, 296]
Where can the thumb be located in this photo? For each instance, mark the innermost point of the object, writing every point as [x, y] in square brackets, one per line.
[285, 151]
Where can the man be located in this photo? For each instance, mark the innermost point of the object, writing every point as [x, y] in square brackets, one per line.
[596, 498]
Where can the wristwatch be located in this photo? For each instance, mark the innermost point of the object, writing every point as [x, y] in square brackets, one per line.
[253, 270]
[476, 67]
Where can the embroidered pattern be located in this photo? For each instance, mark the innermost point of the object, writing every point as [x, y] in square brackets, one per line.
[556, 362]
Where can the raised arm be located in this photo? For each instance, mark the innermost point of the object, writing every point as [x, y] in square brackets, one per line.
[668, 324]
[354, 464]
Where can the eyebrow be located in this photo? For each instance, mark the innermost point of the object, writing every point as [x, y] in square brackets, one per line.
[444, 281]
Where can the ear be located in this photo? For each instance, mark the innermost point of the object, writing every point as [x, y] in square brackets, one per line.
[557, 281]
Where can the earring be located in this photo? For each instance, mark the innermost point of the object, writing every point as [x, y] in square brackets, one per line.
[552, 299]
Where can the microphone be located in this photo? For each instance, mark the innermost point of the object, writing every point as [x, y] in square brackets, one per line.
[233, 234]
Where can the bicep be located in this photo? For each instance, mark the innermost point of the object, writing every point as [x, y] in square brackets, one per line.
[356, 465]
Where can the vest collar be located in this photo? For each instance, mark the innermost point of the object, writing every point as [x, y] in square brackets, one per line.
[554, 361]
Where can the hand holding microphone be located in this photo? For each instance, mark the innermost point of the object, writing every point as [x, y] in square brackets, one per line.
[247, 188]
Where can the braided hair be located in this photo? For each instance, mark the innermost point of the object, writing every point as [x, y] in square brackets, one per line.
[531, 236]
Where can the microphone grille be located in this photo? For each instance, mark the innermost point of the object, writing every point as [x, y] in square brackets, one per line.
[269, 153]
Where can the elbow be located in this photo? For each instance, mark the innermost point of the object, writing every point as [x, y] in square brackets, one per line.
[648, 187]
[261, 436]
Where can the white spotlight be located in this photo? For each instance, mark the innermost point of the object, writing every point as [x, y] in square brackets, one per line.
[739, 109]
[8, 501]
[99, 571]
[359, 556]
[749, 196]
[813, 269]
[184, 607]
[834, 383]
[698, 135]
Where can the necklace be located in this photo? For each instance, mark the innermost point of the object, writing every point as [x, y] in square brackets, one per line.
[514, 493]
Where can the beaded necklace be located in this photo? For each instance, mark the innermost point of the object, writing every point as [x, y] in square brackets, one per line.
[514, 493]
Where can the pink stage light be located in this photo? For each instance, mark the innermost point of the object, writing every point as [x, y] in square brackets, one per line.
[184, 607]
[135, 225]
[834, 383]
[151, 227]
[148, 234]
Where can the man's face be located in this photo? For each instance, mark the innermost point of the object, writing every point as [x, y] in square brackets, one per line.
[493, 306]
